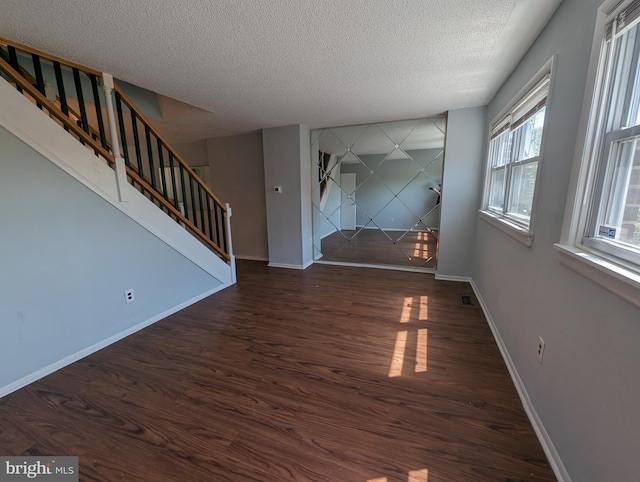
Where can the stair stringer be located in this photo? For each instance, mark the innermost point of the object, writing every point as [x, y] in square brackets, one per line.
[24, 120]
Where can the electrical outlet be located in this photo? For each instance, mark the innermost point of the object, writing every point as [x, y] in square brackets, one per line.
[128, 296]
[540, 348]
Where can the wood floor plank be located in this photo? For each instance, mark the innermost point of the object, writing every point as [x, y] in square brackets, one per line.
[290, 376]
[376, 246]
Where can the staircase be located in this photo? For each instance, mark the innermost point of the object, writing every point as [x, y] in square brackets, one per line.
[93, 109]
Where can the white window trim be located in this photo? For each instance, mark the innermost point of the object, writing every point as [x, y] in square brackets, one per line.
[504, 223]
[612, 274]
[514, 230]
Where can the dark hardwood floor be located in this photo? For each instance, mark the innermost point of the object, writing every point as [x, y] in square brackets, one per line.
[416, 249]
[291, 376]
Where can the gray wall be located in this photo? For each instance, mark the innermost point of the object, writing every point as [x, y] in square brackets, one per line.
[196, 154]
[375, 191]
[67, 257]
[287, 163]
[144, 99]
[237, 177]
[461, 190]
[587, 390]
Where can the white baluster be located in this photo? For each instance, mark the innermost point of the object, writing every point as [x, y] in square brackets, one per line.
[181, 207]
[227, 218]
[120, 168]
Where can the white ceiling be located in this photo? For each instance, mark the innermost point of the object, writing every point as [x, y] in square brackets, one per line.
[253, 64]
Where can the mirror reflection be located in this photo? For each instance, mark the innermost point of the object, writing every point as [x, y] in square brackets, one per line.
[376, 192]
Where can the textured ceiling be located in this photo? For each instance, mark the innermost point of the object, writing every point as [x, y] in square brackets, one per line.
[262, 63]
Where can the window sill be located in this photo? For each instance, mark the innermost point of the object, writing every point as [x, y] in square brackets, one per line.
[516, 232]
[619, 280]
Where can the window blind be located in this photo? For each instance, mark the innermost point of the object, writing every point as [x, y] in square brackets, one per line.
[626, 18]
[535, 100]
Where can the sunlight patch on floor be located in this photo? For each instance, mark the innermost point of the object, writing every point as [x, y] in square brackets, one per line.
[422, 247]
[414, 476]
[400, 347]
[424, 308]
[395, 370]
[418, 476]
[421, 351]
[406, 310]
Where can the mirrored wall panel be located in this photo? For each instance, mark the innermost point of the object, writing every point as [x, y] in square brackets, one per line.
[376, 192]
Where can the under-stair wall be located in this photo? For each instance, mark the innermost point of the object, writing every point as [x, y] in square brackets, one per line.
[71, 248]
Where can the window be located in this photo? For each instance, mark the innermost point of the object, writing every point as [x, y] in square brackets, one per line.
[514, 155]
[601, 233]
[613, 222]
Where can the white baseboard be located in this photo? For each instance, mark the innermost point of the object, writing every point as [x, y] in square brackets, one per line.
[291, 266]
[550, 451]
[252, 258]
[446, 277]
[43, 372]
[378, 266]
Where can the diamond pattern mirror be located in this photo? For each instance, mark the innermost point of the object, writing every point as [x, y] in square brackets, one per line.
[376, 192]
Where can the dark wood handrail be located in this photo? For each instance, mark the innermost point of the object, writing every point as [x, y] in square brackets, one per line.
[27, 75]
[166, 145]
[44, 55]
[53, 110]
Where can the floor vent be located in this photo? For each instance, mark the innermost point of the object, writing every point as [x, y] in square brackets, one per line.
[465, 300]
